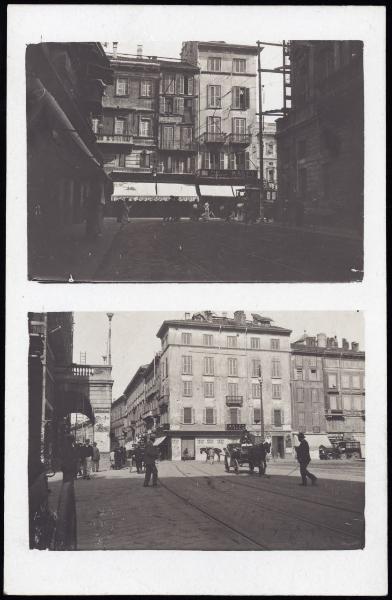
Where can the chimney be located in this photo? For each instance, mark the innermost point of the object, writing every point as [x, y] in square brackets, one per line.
[310, 341]
[345, 344]
[139, 50]
[240, 317]
[354, 346]
[321, 340]
[115, 44]
[330, 342]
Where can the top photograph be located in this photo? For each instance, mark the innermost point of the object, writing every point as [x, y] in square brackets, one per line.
[219, 161]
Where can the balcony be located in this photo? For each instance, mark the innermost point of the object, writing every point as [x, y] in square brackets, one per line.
[213, 138]
[178, 145]
[235, 426]
[234, 400]
[239, 139]
[114, 139]
[227, 173]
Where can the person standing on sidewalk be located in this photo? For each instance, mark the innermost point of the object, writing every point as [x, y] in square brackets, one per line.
[95, 458]
[150, 456]
[87, 455]
[211, 455]
[303, 457]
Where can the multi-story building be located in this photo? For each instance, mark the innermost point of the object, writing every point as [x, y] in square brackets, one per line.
[210, 382]
[225, 124]
[321, 140]
[66, 182]
[118, 424]
[328, 390]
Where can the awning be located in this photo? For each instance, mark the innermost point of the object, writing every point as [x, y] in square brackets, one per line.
[182, 191]
[216, 190]
[314, 440]
[159, 440]
[141, 190]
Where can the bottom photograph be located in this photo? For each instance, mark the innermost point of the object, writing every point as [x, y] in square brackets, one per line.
[196, 430]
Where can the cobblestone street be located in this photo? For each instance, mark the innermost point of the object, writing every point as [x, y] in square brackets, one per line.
[197, 506]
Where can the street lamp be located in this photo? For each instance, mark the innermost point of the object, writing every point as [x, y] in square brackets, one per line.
[110, 317]
[261, 406]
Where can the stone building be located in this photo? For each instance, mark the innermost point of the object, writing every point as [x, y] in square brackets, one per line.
[118, 422]
[328, 390]
[66, 182]
[321, 140]
[210, 381]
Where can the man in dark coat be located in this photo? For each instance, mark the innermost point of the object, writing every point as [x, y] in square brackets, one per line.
[303, 457]
[257, 458]
[139, 459]
[150, 456]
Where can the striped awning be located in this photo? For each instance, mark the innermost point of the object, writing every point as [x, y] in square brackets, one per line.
[217, 190]
[180, 191]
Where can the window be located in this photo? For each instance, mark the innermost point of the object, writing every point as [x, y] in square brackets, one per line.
[187, 388]
[120, 160]
[145, 128]
[314, 396]
[208, 365]
[187, 365]
[188, 86]
[209, 389]
[271, 175]
[213, 124]
[346, 401]
[239, 126]
[188, 415]
[276, 390]
[144, 161]
[213, 96]
[169, 83]
[232, 341]
[121, 87]
[240, 98]
[357, 403]
[255, 390]
[208, 340]
[233, 367]
[146, 88]
[209, 416]
[255, 343]
[301, 418]
[356, 382]
[276, 368]
[239, 65]
[119, 126]
[214, 64]
[233, 416]
[275, 344]
[299, 373]
[186, 338]
[334, 403]
[179, 83]
[95, 125]
[278, 418]
[256, 368]
[332, 381]
[256, 415]
[313, 374]
[345, 381]
[232, 389]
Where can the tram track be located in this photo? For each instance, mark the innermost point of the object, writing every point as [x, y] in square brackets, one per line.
[284, 513]
[213, 518]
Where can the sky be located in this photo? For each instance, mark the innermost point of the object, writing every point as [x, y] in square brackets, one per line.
[134, 340]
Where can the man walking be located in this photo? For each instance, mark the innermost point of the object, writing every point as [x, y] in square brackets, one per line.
[303, 457]
[150, 455]
[95, 458]
[87, 452]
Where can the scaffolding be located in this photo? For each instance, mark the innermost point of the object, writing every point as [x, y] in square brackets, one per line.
[285, 71]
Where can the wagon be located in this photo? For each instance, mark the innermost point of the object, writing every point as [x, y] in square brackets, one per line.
[237, 455]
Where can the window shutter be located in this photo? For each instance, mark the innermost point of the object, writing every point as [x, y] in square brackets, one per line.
[190, 86]
[162, 105]
[179, 83]
[204, 416]
[272, 417]
[247, 165]
[175, 106]
[214, 415]
[232, 161]
[161, 85]
[282, 415]
[193, 415]
[246, 99]
[221, 160]
[209, 89]
[180, 106]
[183, 415]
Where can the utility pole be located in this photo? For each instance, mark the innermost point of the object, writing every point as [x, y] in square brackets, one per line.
[110, 317]
[261, 149]
[261, 407]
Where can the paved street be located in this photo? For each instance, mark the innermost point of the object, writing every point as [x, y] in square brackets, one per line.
[150, 250]
[197, 506]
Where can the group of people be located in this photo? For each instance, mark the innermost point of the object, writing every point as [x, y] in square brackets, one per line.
[79, 459]
[118, 458]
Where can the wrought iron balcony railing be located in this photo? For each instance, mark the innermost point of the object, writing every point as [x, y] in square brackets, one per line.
[235, 426]
[178, 145]
[115, 138]
[234, 400]
[213, 138]
[241, 139]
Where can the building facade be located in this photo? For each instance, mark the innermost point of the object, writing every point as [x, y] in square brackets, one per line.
[320, 141]
[118, 423]
[210, 382]
[66, 182]
[226, 110]
[328, 389]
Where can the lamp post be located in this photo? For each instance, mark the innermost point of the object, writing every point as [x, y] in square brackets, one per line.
[261, 407]
[261, 150]
[110, 317]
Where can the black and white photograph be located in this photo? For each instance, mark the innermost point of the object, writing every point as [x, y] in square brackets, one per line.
[239, 160]
[196, 431]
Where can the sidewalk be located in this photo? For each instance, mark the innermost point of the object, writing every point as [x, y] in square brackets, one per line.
[74, 255]
[347, 234]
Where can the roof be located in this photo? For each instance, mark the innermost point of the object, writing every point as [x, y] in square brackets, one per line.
[298, 348]
[243, 48]
[140, 372]
[223, 324]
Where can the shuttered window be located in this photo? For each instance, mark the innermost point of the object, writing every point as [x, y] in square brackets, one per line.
[255, 390]
[187, 365]
[256, 415]
[146, 88]
[119, 126]
[278, 418]
[238, 126]
[233, 415]
[213, 124]
[276, 372]
[208, 365]
[178, 108]
[209, 416]
[208, 340]
[255, 343]
[179, 83]
[232, 389]
[186, 338]
[232, 367]
[276, 390]
[145, 127]
[232, 341]
[256, 368]
[188, 415]
[187, 388]
[275, 344]
[239, 65]
[168, 84]
[188, 86]
[240, 98]
[213, 96]
[214, 64]
[121, 86]
[209, 389]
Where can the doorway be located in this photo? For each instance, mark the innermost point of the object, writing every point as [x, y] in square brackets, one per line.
[278, 446]
[188, 446]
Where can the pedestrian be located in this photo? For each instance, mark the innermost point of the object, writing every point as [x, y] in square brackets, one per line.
[69, 459]
[303, 457]
[87, 452]
[138, 459]
[95, 458]
[211, 455]
[150, 456]
[117, 458]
